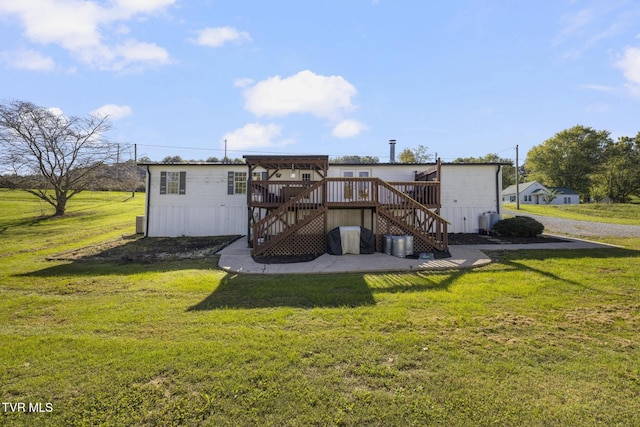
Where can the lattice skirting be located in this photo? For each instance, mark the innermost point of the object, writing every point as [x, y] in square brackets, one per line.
[310, 239]
[386, 226]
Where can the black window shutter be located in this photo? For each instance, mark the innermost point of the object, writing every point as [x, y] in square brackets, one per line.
[163, 183]
[230, 183]
[183, 183]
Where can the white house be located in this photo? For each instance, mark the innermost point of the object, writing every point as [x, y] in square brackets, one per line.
[534, 193]
[202, 199]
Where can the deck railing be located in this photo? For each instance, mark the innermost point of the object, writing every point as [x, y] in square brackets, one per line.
[343, 192]
[413, 217]
[274, 193]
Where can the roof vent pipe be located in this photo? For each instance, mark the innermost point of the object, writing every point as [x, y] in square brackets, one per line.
[392, 151]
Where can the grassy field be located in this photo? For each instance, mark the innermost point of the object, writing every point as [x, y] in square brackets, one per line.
[537, 338]
[620, 213]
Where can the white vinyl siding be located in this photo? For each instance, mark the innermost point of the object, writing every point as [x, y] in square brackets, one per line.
[204, 210]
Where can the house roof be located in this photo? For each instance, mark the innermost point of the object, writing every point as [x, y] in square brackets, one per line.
[285, 162]
[196, 164]
[566, 191]
[523, 186]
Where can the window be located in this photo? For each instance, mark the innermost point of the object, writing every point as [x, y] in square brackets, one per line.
[306, 176]
[173, 182]
[237, 183]
[259, 176]
[354, 190]
[348, 185]
[363, 187]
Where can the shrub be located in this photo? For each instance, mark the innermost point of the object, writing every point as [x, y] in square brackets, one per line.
[518, 226]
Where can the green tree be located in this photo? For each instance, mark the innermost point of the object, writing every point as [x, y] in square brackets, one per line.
[619, 174]
[421, 153]
[569, 158]
[173, 159]
[508, 170]
[356, 160]
[417, 154]
[550, 195]
[407, 156]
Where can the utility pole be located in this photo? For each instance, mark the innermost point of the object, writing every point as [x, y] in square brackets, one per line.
[135, 165]
[225, 152]
[517, 181]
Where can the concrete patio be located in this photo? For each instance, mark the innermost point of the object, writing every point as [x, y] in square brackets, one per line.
[237, 258]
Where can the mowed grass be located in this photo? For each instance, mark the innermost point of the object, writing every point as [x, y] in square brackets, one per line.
[536, 338]
[618, 213]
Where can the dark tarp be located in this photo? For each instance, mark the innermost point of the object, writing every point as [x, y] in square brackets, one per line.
[367, 242]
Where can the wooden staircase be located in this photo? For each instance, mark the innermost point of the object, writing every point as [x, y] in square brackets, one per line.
[399, 210]
[296, 226]
[299, 225]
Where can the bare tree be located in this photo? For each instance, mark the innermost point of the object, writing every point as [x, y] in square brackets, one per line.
[61, 153]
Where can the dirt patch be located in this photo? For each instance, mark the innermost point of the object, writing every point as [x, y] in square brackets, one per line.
[149, 249]
[136, 248]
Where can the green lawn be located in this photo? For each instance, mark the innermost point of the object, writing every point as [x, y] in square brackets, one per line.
[619, 213]
[537, 338]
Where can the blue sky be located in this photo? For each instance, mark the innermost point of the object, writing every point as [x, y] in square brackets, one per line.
[337, 77]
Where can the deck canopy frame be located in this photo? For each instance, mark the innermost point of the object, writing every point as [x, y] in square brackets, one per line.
[274, 164]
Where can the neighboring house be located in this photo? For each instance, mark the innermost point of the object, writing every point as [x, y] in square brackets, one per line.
[288, 204]
[534, 193]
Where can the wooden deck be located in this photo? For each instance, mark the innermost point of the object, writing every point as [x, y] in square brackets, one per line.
[291, 216]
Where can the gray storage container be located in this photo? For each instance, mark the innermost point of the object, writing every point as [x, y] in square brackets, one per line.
[483, 225]
[408, 245]
[387, 243]
[399, 246]
[493, 218]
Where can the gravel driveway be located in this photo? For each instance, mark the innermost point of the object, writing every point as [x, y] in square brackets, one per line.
[582, 228]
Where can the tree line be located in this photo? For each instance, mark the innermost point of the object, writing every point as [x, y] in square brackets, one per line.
[54, 157]
[590, 162]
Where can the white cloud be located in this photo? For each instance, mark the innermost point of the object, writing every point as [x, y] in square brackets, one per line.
[630, 66]
[56, 111]
[256, 135]
[113, 111]
[243, 83]
[81, 28]
[305, 92]
[129, 7]
[574, 23]
[349, 128]
[133, 50]
[216, 37]
[584, 29]
[28, 59]
[598, 88]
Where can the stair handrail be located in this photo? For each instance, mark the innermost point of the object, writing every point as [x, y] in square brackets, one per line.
[278, 213]
[433, 219]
